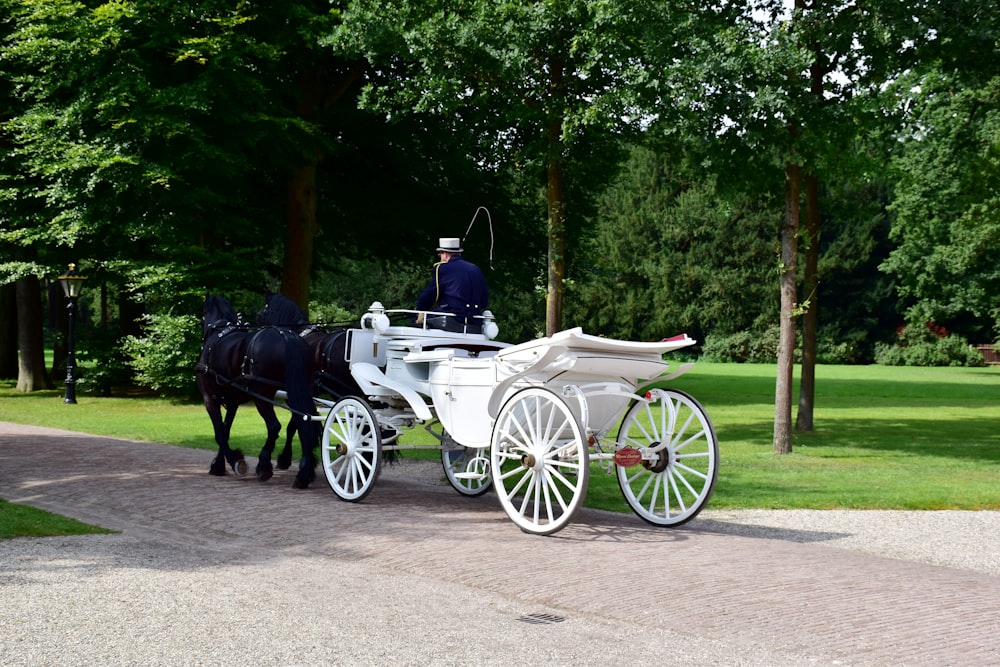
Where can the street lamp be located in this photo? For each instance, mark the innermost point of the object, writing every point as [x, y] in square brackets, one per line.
[72, 283]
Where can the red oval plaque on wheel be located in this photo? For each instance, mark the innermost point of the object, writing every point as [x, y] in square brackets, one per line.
[627, 457]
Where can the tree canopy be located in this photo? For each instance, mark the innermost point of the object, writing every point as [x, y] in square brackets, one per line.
[637, 159]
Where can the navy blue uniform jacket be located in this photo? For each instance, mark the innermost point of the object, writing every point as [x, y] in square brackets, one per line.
[459, 287]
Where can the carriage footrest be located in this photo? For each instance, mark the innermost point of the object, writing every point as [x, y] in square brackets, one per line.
[477, 469]
[471, 475]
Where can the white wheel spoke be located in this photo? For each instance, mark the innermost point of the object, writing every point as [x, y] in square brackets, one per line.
[528, 492]
[551, 479]
[677, 494]
[655, 495]
[697, 473]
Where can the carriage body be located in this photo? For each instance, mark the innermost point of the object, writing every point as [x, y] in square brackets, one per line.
[530, 418]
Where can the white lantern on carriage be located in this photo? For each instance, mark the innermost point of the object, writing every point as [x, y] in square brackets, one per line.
[375, 318]
[490, 328]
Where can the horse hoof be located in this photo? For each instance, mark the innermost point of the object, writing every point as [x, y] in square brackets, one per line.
[240, 468]
[218, 467]
[297, 484]
[264, 475]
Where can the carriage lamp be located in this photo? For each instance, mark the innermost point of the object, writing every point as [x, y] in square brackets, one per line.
[377, 318]
[72, 283]
[490, 328]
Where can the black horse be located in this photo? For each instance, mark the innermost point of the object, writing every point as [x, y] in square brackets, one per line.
[237, 365]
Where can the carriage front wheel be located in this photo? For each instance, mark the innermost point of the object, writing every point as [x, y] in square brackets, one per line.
[539, 461]
[680, 458]
[352, 449]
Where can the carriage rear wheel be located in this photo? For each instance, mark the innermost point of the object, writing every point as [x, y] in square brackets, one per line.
[467, 470]
[539, 461]
[352, 449]
[680, 463]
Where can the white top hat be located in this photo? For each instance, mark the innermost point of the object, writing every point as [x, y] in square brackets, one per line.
[449, 245]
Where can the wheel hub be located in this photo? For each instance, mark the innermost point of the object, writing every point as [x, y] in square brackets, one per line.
[662, 461]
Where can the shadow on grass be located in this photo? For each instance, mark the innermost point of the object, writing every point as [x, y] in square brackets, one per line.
[912, 435]
[892, 388]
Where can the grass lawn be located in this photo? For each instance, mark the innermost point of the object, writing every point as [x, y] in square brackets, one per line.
[885, 438]
[23, 521]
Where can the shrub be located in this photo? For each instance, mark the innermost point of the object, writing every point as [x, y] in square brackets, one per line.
[920, 345]
[164, 358]
[742, 347]
[332, 314]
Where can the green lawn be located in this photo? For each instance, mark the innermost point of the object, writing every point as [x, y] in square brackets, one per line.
[23, 521]
[885, 438]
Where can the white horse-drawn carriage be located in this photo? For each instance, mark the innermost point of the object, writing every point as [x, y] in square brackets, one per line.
[527, 420]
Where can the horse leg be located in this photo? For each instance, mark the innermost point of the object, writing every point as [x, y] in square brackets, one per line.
[307, 466]
[264, 469]
[235, 457]
[284, 461]
[222, 428]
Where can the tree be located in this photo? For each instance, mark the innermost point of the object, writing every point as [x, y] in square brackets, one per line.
[789, 89]
[529, 81]
[945, 211]
[948, 171]
[670, 253]
[172, 130]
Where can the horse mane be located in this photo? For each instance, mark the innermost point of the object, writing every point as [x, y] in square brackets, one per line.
[281, 311]
[218, 309]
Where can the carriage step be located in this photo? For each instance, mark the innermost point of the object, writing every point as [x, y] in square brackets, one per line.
[477, 469]
[471, 475]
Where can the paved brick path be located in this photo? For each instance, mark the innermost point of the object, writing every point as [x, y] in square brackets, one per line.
[767, 597]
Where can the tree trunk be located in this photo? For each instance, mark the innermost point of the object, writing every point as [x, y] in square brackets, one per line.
[314, 97]
[300, 235]
[31, 375]
[8, 331]
[557, 249]
[130, 312]
[556, 212]
[786, 342]
[810, 280]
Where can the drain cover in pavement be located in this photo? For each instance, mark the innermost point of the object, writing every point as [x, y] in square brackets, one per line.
[541, 619]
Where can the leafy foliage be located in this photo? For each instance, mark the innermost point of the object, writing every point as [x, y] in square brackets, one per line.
[947, 225]
[162, 357]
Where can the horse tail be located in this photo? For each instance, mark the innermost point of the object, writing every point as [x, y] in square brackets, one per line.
[298, 388]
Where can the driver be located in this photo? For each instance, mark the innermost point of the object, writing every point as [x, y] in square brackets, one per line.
[456, 286]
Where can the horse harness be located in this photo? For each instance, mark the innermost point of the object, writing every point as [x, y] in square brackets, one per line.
[247, 372]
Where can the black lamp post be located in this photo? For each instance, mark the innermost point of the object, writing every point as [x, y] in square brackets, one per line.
[72, 283]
